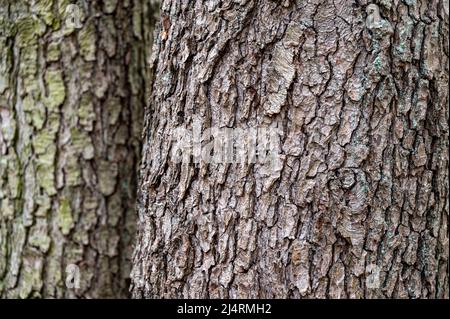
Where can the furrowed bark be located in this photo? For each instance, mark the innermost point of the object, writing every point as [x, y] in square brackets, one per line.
[71, 103]
[359, 92]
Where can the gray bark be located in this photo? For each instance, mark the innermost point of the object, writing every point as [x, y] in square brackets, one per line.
[71, 103]
[359, 91]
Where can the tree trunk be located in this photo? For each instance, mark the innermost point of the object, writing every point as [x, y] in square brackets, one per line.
[71, 101]
[356, 206]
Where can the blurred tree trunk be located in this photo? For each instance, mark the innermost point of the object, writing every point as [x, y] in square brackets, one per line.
[357, 207]
[71, 103]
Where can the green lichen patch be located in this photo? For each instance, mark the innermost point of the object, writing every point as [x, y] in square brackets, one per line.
[56, 89]
[87, 39]
[45, 170]
[44, 9]
[6, 26]
[28, 103]
[79, 140]
[43, 140]
[28, 31]
[53, 52]
[38, 116]
[28, 62]
[35, 112]
[65, 218]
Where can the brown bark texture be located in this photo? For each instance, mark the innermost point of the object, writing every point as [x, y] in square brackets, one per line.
[72, 75]
[357, 206]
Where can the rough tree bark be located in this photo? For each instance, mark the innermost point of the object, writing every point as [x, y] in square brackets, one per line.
[71, 103]
[359, 93]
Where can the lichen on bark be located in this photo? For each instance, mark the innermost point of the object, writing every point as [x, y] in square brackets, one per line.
[67, 181]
